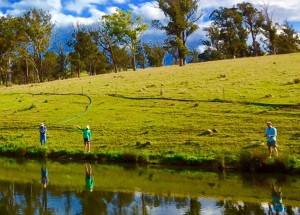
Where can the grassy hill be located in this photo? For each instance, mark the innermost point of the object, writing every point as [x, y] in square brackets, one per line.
[162, 114]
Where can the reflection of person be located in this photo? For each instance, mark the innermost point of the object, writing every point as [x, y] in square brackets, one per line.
[276, 207]
[44, 176]
[271, 133]
[89, 179]
[87, 137]
[43, 137]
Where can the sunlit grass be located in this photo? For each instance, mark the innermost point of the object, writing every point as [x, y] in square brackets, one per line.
[170, 108]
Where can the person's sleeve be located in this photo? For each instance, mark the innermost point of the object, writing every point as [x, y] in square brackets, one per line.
[90, 135]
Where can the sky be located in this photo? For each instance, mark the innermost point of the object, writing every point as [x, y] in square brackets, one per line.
[66, 13]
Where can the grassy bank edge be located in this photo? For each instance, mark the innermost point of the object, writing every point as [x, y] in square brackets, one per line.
[256, 161]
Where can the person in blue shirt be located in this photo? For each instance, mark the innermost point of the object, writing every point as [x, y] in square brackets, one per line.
[271, 134]
[43, 136]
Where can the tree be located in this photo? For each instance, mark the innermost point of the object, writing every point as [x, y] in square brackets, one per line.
[214, 37]
[155, 54]
[127, 29]
[269, 30]
[288, 40]
[106, 41]
[182, 15]
[229, 22]
[253, 19]
[85, 49]
[8, 42]
[50, 65]
[141, 55]
[193, 56]
[37, 29]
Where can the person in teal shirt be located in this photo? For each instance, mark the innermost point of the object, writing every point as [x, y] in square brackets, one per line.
[87, 137]
[89, 179]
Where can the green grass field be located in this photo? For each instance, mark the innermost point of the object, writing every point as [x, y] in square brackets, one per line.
[162, 114]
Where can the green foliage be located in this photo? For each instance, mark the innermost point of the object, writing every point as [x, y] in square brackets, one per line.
[127, 29]
[182, 15]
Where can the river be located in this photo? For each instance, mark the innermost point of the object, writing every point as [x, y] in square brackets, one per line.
[30, 187]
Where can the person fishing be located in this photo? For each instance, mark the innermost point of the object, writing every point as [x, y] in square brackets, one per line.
[87, 137]
[43, 136]
[271, 134]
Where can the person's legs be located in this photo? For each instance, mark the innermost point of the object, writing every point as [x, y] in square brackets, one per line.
[88, 146]
[276, 151]
[270, 151]
[44, 138]
[85, 145]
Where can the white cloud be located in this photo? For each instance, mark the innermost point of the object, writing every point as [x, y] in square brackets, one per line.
[79, 5]
[149, 11]
[281, 9]
[71, 20]
[111, 10]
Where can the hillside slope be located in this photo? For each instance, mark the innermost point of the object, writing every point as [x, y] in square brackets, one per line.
[162, 112]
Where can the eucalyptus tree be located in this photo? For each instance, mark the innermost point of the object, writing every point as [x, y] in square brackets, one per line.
[213, 44]
[253, 20]
[37, 30]
[155, 54]
[229, 21]
[85, 49]
[269, 30]
[127, 29]
[107, 41]
[8, 43]
[141, 55]
[288, 40]
[181, 17]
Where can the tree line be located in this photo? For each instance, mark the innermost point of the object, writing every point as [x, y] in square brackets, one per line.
[114, 42]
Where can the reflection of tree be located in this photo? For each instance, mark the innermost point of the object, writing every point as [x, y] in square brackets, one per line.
[195, 207]
[7, 200]
[122, 201]
[242, 208]
[289, 210]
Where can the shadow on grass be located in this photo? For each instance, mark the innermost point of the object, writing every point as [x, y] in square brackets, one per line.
[213, 100]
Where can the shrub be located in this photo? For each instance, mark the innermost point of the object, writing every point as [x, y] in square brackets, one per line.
[296, 80]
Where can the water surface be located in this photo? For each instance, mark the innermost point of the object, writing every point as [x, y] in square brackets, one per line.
[45, 187]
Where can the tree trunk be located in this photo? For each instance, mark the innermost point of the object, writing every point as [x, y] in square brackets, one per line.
[27, 71]
[133, 62]
[113, 59]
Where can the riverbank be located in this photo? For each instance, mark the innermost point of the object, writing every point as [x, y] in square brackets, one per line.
[243, 162]
[209, 115]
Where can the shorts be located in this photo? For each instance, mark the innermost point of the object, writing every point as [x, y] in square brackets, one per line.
[272, 144]
[86, 139]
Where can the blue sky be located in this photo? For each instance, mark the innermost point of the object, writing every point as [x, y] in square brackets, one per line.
[66, 13]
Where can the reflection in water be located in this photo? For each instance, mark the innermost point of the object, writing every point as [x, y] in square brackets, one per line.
[31, 199]
[44, 176]
[276, 206]
[138, 190]
[89, 179]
